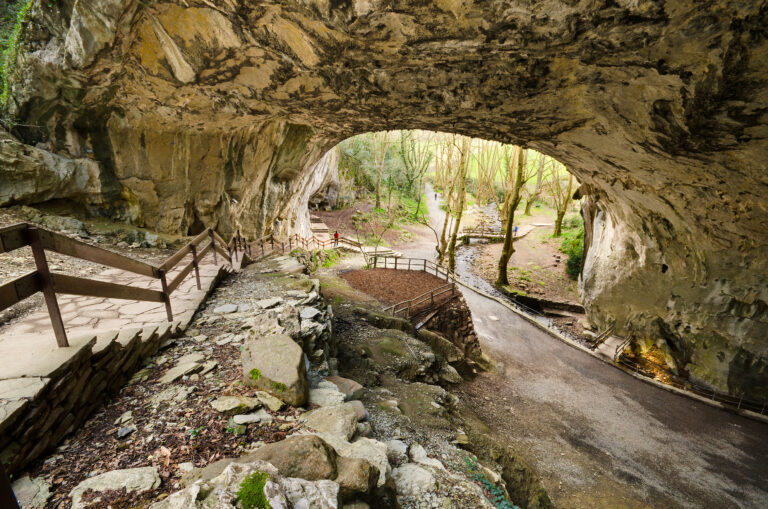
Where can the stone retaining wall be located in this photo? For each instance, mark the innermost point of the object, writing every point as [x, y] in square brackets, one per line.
[454, 322]
[45, 403]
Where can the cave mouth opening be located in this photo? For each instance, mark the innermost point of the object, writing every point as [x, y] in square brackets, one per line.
[417, 176]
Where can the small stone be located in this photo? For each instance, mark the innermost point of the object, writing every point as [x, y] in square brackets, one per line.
[260, 416]
[494, 318]
[185, 467]
[231, 405]
[225, 309]
[309, 313]
[200, 338]
[461, 439]
[125, 418]
[413, 480]
[236, 429]
[269, 401]
[207, 367]
[362, 413]
[419, 455]
[125, 431]
[449, 375]
[269, 303]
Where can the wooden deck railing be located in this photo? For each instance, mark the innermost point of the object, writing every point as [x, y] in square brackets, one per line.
[50, 283]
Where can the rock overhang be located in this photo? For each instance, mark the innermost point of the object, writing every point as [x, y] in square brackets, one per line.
[203, 112]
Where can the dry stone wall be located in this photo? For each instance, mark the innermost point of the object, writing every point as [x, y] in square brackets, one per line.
[192, 112]
[453, 322]
[37, 412]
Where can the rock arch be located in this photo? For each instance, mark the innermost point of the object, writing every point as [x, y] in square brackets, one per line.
[227, 108]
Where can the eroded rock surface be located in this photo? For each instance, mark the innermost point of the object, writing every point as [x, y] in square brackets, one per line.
[195, 113]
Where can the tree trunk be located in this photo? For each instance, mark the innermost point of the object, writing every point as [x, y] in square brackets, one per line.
[463, 166]
[537, 191]
[559, 223]
[378, 189]
[508, 249]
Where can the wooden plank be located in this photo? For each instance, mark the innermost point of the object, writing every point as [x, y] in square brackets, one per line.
[71, 247]
[223, 253]
[175, 258]
[180, 277]
[19, 289]
[219, 239]
[13, 237]
[179, 255]
[72, 285]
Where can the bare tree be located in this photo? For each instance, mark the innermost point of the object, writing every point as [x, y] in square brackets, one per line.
[515, 159]
[416, 160]
[532, 196]
[487, 171]
[464, 155]
[560, 193]
[379, 146]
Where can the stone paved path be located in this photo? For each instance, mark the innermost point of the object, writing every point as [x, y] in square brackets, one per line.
[88, 315]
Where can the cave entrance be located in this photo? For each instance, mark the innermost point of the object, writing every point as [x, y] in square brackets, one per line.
[426, 193]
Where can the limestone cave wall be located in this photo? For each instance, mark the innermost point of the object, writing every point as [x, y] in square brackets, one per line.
[195, 110]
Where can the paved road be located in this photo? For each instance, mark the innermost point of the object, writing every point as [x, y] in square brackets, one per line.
[600, 438]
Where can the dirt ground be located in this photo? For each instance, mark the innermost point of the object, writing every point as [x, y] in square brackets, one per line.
[390, 286]
[537, 266]
[341, 221]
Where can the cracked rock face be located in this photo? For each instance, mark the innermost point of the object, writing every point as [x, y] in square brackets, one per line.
[208, 110]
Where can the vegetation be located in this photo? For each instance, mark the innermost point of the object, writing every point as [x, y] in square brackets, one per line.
[13, 15]
[573, 245]
[492, 492]
[251, 493]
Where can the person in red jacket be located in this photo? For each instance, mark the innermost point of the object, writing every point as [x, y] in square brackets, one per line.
[336, 239]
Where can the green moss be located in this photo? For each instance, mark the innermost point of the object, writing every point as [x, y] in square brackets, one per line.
[251, 493]
[255, 374]
[10, 34]
[278, 386]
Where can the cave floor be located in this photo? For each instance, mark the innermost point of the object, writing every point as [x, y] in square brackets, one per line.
[598, 437]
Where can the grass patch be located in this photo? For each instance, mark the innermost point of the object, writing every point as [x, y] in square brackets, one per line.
[572, 244]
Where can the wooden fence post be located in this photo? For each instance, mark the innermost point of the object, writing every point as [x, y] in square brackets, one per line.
[409, 264]
[7, 498]
[213, 246]
[196, 265]
[166, 295]
[47, 286]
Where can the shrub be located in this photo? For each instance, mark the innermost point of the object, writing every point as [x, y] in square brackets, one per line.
[10, 33]
[573, 246]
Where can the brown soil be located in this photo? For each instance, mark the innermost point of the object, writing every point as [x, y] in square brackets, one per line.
[537, 266]
[390, 286]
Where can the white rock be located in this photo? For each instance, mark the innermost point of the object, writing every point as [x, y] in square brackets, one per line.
[373, 451]
[269, 303]
[413, 480]
[226, 309]
[419, 455]
[134, 480]
[259, 416]
[397, 452]
[449, 374]
[326, 397]
[31, 493]
[309, 313]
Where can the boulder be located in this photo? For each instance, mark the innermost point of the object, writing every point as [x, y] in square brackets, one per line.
[338, 420]
[275, 364]
[362, 413]
[31, 493]
[373, 451]
[221, 487]
[305, 456]
[449, 375]
[350, 388]
[134, 480]
[413, 480]
[397, 452]
[325, 397]
[356, 475]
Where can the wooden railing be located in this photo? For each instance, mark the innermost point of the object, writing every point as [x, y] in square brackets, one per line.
[50, 283]
[426, 301]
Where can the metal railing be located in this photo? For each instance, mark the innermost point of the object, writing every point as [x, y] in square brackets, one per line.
[50, 283]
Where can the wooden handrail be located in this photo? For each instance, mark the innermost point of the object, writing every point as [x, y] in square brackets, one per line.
[78, 249]
[13, 237]
[72, 285]
[24, 234]
[19, 289]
